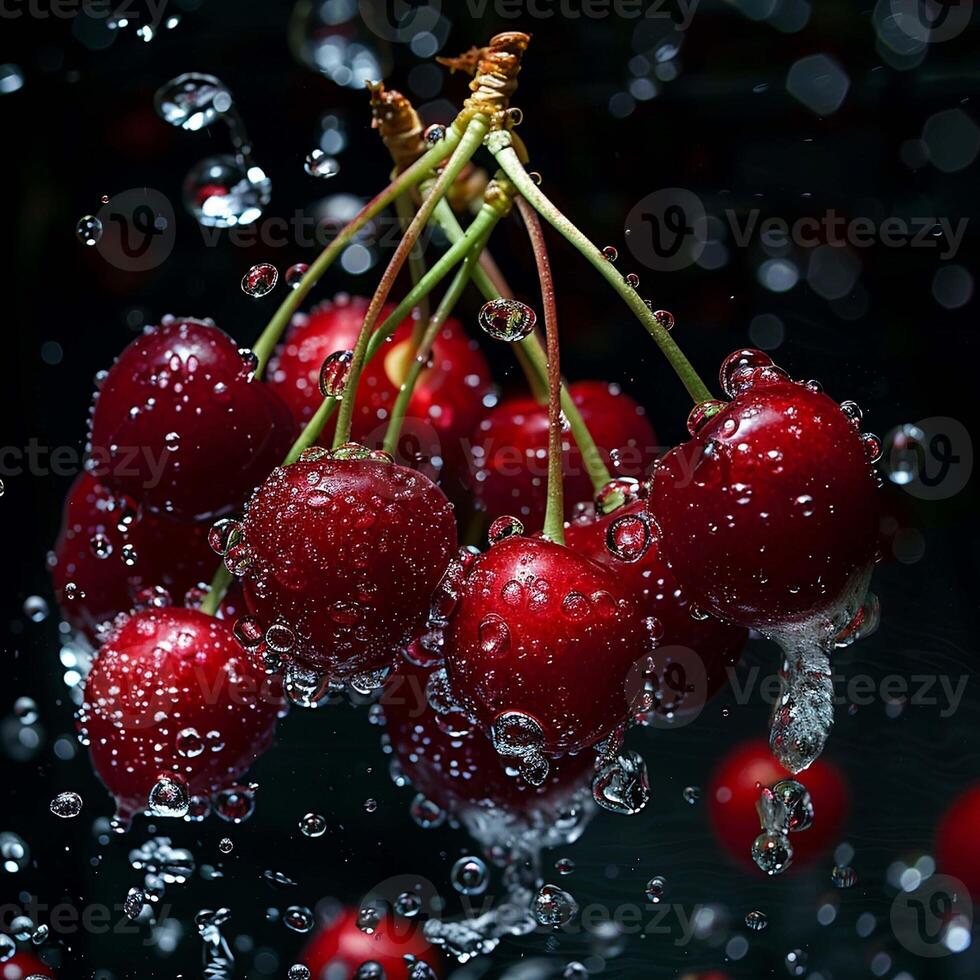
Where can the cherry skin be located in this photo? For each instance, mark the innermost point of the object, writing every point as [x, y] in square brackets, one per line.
[643, 570]
[340, 947]
[101, 533]
[769, 515]
[181, 425]
[510, 454]
[956, 841]
[734, 790]
[542, 631]
[345, 555]
[446, 404]
[20, 966]
[163, 681]
[452, 763]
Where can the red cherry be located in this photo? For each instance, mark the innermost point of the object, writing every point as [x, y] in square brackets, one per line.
[736, 786]
[452, 763]
[172, 693]
[181, 425]
[511, 450]
[956, 840]
[770, 514]
[342, 558]
[545, 633]
[22, 965]
[447, 401]
[712, 647]
[109, 552]
[341, 947]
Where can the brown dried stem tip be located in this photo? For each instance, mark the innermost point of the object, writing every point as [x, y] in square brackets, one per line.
[395, 118]
[494, 69]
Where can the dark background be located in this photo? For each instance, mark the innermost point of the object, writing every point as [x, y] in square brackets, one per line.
[726, 128]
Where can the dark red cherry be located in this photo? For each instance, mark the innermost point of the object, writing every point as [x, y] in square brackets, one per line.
[181, 425]
[341, 557]
[111, 554]
[23, 966]
[737, 784]
[446, 404]
[510, 450]
[957, 853]
[703, 649]
[452, 763]
[542, 646]
[172, 694]
[341, 947]
[769, 514]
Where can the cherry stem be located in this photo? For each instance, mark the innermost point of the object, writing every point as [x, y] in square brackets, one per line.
[407, 179]
[531, 349]
[501, 147]
[416, 258]
[469, 143]
[554, 515]
[424, 349]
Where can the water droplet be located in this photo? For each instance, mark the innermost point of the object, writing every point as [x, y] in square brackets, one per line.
[796, 811]
[313, 825]
[772, 852]
[843, 876]
[223, 191]
[89, 230]
[494, 636]
[298, 918]
[319, 164]
[223, 535]
[370, 805]
[298, 972]
[334, 373]
[368, 920]
[248, 632]
[426, 813]
[610, 253]
[628, 537]
[189, 743]
[504, 527]
[853, 411]
[133, 903]
[260, 280]
[618, 492]
[739, 370]
[655, 889]
[756, 921]
[665, 318]
[553, 906]
[408, 904]
[168, 797]
[36, 608]
[469, 876]
[692, 794]
[564, 866]
[235, 804]
[632, 280]
[872, 446]
[66, 805]
[226, 845]
[507, 319]
[294, 274]
[622, 785]
[192, 101]
[702, 414]
[434, 134]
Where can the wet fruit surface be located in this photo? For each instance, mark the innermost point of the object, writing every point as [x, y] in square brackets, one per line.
[344, 554]
[180, 424]
[172, 694]
[956, 850]
[549, 635]
[510, 454]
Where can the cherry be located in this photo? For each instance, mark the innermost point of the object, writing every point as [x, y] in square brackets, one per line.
[20, 966]
[182, 426]
[769, 514]
[447, 401]
[340, 558]
[341, 947]
[171, 693]
[110, 554]
[736, 786]
[956, 840]
[510, 452]
[703, 649]
[541, 647]
[453, 764]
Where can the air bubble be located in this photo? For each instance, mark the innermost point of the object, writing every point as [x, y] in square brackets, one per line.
[469, 876]
[313, 825]
[655, 889]
[89, 230]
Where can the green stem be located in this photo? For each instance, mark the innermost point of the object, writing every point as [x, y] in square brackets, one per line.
[414, 175]
[424, 348]
[471, 141]
[416, 260]
[535, 356]
[554, 514]
[512, 166]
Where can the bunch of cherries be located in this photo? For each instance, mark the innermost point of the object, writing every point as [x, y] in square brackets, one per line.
[528, 660]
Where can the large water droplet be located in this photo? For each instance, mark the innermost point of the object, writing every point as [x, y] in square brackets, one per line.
[260, 280]
[507, 319]
[702, 414]
[622, 785]
[552, 906]
[493, 635]
[318, 164]
[504, 527]
[168, 797]
[469, 876]
[224, 191]
[738, 370]
[772, 852]
[628, 537]
[89, 230]
[192, 101]
[334, 373]
[66, 805]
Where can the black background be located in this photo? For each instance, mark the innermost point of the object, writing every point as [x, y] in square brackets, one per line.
[83, 126]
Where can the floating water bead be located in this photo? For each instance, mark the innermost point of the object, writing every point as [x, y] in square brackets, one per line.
[260, 280]
[319, 164]
[89, 230]
[507, 319]
[334, 373]
[192, 101]
[294, 274]
[469, 876]
[66, 805]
